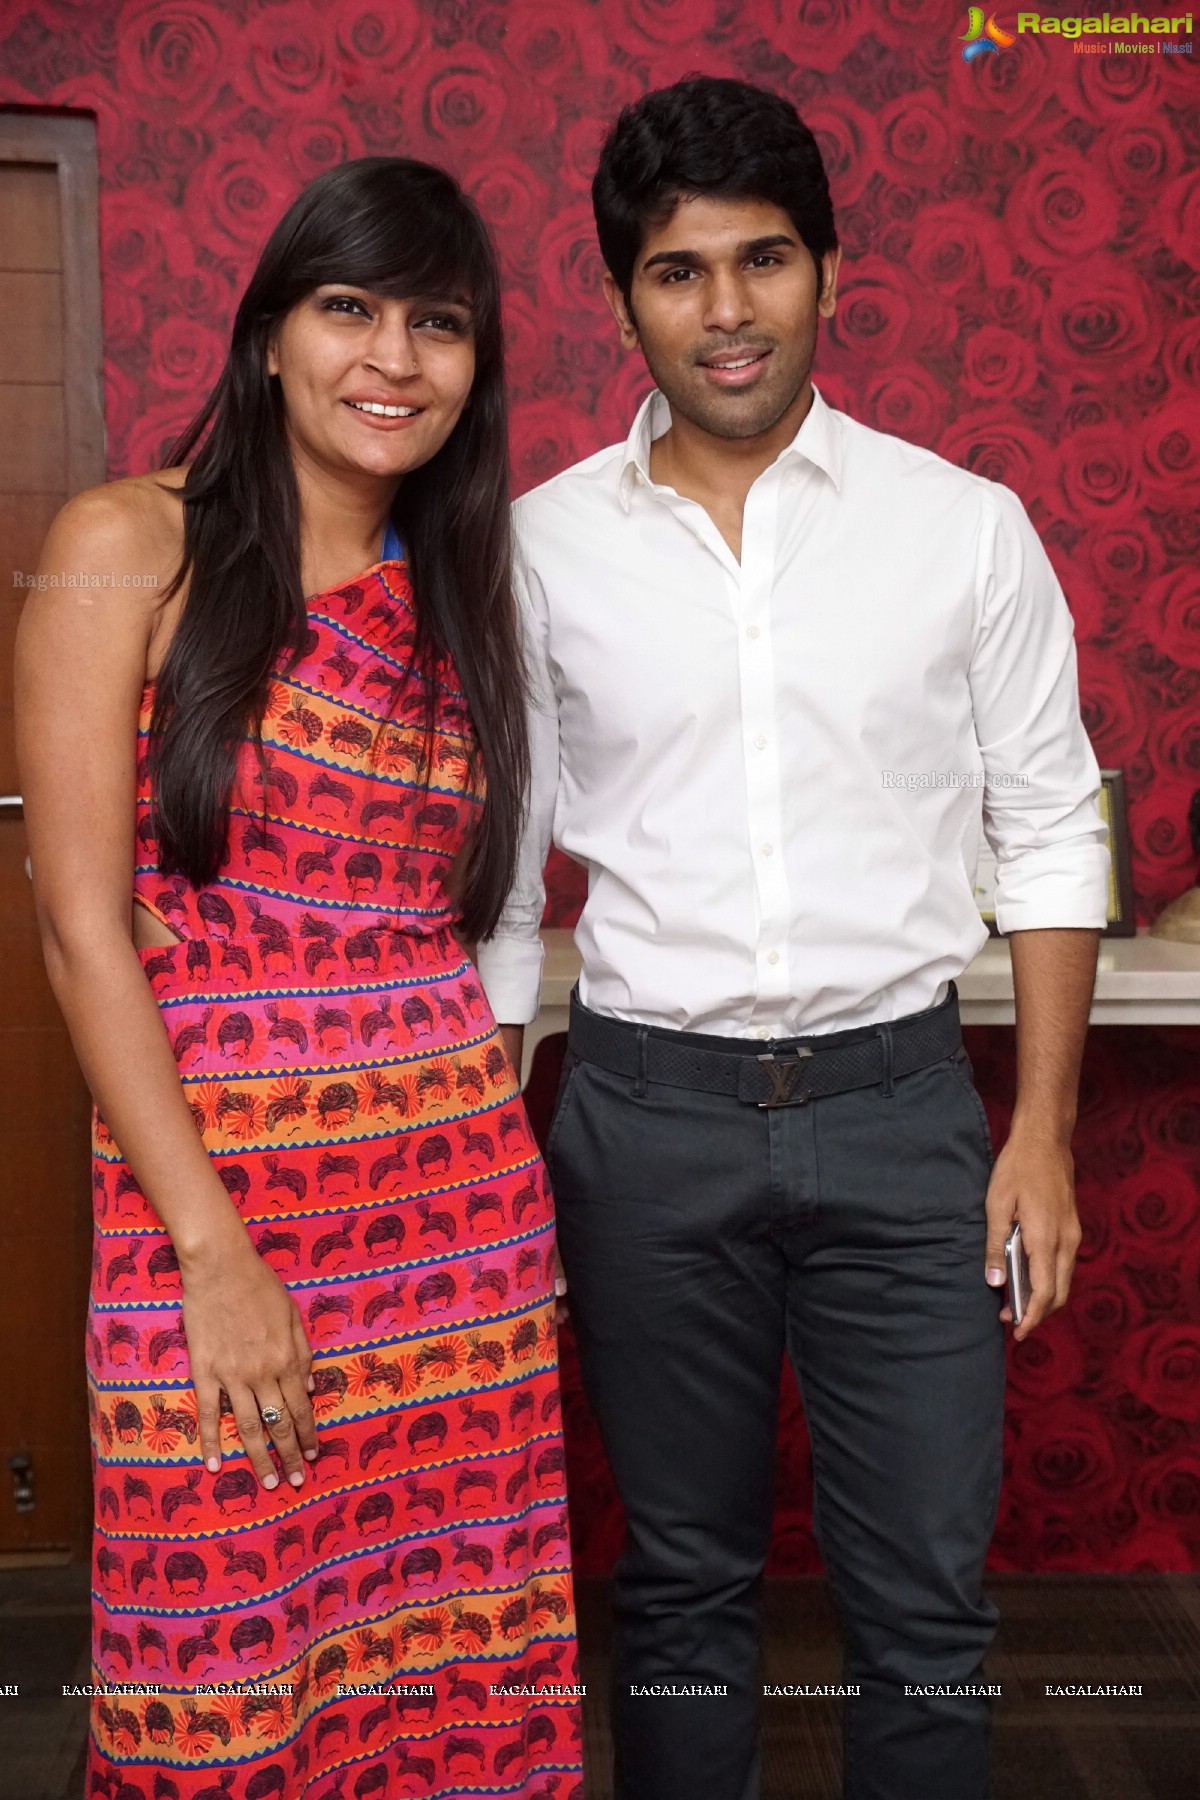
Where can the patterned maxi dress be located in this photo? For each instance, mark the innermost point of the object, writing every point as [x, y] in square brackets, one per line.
[342, 1640]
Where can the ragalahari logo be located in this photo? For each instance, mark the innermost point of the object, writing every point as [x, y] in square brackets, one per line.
[983, 37]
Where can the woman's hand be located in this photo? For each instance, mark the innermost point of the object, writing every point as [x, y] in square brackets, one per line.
[245, 1335]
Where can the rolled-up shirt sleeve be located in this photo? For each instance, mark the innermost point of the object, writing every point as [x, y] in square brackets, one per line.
[510, 961]
[1041, 779]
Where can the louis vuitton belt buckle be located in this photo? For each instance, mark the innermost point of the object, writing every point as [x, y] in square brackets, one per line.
[785, 1073]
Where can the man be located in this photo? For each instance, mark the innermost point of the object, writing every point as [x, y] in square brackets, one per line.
[781, 661]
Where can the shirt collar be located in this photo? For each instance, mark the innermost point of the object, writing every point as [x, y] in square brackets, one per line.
[818, 441]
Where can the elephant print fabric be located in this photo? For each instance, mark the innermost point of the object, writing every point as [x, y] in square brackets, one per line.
[345, 1638]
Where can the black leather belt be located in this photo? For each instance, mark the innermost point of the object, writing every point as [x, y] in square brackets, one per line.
[791, 1072]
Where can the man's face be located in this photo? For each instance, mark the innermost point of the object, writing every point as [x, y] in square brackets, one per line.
[724, 308]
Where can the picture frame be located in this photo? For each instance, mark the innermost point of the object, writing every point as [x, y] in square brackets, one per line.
[1113, 811]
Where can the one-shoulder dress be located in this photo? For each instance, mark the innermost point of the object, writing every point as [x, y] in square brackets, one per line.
[403, 1624]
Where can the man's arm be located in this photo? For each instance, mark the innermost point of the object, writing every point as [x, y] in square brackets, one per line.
[513, 1039]
[1034, 1178]
[510, 961]
[1042, 821]
[1041, 780]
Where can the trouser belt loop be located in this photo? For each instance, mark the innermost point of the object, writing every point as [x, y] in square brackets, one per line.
[885, 1045]
[643, 1047]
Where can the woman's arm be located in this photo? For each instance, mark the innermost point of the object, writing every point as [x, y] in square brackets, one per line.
[81, 663]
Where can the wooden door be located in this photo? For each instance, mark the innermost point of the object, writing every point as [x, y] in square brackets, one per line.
[51, 445]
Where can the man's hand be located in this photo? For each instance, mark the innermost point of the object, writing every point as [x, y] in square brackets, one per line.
[1034, 1181]
[513, 1039]
[1054, 971]
[560, 1290]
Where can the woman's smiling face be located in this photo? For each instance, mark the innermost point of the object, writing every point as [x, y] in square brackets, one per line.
[370, 383]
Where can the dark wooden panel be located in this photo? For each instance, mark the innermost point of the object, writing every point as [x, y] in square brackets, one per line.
[30, 234]
[44, 1251]
[33, 438]
[31, 325]
[69, 145]
[51, 445]
[9, 614]
[24, 521]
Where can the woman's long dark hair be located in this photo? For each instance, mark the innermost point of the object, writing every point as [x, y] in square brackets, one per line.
[400, 228]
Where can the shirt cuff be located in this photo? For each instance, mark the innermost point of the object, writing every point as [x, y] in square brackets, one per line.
[1051, 888]
[511, 972]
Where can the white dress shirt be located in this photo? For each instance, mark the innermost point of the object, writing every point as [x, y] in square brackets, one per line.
[776, 773]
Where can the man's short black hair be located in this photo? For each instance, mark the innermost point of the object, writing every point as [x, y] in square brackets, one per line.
[707, 135]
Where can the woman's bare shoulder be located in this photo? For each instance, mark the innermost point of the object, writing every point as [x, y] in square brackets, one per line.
[131, 527]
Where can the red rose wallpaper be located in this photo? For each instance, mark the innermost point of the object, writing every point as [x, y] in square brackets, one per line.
[1021, 293]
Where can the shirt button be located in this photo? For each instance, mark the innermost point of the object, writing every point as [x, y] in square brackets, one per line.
[762, 1032]
[752, 631]
[768, 849]
[772, 956]
[760, 742]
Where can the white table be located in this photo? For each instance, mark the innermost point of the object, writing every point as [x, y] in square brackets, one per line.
[1140, 981]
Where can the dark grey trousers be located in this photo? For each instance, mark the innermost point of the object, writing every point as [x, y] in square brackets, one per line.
[702, 1237]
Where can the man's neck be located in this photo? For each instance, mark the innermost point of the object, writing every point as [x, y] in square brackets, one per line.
[718, 473]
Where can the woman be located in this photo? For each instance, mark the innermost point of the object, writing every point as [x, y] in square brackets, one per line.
[328, 1473]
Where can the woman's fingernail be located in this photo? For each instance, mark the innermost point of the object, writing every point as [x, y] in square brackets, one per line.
[995, 1277]
[214, 1463]
[312, 1455]
[560, 1286]
[296, 1478]
[271, 1481]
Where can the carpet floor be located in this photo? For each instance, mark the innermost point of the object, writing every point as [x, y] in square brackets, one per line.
[1054, 1629]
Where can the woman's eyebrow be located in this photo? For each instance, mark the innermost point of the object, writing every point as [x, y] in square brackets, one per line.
[441, 300]
[428, 297]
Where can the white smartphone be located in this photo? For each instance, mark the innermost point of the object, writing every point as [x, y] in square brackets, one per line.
[1017, 1264]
